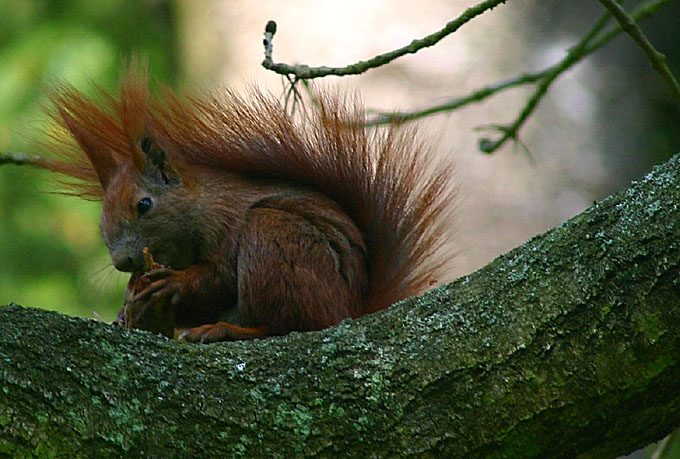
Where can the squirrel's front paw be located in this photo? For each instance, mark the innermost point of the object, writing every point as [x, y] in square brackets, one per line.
[150, 303]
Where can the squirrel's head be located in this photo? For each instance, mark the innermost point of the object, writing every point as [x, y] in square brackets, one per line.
[146, 204]
[118, 155]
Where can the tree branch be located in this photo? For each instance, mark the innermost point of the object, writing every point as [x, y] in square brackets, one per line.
[543, 79]
[590, 43]
[17, 158]
[657, 59]
[307, 72]
[564, 346]
[574, 55]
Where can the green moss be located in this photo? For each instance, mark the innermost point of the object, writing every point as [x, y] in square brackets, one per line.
[518, 444]
[45, 449]
[650, 325]
[296, 419]
[335, 411]
[658, 365]
[362, 423]
[5, 417]
[241, 448]
[7, 449]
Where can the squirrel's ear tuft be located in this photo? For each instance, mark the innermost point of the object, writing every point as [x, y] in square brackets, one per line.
[132, 108]
[99, 154]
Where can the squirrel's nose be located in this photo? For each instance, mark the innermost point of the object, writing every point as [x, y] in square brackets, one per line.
[123, 261]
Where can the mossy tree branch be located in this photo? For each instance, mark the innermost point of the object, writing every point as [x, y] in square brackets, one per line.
[567, 345]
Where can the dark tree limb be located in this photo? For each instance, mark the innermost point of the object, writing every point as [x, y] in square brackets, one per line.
[566, 345]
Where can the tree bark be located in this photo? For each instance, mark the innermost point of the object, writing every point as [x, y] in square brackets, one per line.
[566, 346]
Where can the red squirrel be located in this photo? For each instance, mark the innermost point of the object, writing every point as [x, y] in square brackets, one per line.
[256, 224]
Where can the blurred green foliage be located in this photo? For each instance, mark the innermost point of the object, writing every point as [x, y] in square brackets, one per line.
[51, 254]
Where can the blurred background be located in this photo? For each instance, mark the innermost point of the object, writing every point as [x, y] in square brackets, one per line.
[603, 124]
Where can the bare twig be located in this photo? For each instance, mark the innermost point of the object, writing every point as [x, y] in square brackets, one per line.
[574, 55]
[307, 72]
[17, 158]
[591, 42]
[458, 102]
[293, 96]
[657, 59]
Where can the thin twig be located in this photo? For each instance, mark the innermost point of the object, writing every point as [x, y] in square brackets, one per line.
[17, 158]
[458, 102]
[657, 59]
[574, 55]
[293, 94]
[379, 117]
[588, 45]
[307, 72]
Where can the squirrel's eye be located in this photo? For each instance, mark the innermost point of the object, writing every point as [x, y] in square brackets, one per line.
[144, 205]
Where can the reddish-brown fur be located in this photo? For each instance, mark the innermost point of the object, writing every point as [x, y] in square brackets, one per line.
[267, 223]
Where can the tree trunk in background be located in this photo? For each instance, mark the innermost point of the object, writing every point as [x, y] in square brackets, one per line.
[566, 345]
